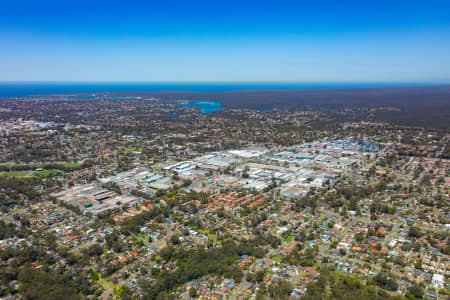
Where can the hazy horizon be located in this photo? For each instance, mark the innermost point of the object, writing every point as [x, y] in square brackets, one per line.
[223, 82]
[24, 89]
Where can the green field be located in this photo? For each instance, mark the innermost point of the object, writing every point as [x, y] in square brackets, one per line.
[210, 235]
[276, 258]
[33, 167]
[48, 173]
[72, 165]
[29, 173]
[15, 174]
[289, 239]
[105, 283]
[30, 133]
[126, 150]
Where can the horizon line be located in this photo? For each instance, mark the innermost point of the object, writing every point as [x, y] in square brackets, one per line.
[227, 82]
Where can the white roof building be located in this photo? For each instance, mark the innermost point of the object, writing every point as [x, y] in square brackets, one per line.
[438, 280]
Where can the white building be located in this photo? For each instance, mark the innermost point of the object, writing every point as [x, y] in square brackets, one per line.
[438, 280]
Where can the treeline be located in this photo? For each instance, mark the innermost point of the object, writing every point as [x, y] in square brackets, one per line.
[132, 224]
[352, 193]
[342, 287]
[30, 154]
[413, 110]
[38, 284]
[297, 258]
[13, 190]
[446, 152]
[7, 230]
[193, 264]
[437, 97]
[345, 195]
[34, 270]
[428, 117]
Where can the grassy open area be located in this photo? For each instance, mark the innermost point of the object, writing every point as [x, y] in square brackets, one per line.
[45, 166]
[15, 174]
[276, 258]
[29, 173]
[105, 283]
[72, 165]
[30, 133]
[143, 236]
[289, 239]
[48, 173]
[210, 235]
[131, 149]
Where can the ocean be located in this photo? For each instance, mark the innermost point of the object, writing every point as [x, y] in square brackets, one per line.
[25, 89]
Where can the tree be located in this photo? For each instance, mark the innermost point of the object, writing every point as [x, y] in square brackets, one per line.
[260, 275]
[251, 277]
[414, 232]
[281, 290]
[187, 182]
[344, 287]
[192, 292]
[245, 173]
[415, 292]
[383, 281]
[37, 284]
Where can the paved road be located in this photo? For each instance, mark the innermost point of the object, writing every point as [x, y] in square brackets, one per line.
[391, 234]
[244, 284]
[323, 250]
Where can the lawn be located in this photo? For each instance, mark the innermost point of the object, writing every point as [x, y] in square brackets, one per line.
[29, 133]
[72, 165]
[15, 174]
[210, 235]
[276, 258]
[105, 283]
[289, 239]
[126, 150]
[29, 173]
[143, 236]
[22, 167]
[48, 173]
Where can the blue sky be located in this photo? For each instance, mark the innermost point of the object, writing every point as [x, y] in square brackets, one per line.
[319, 41]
